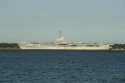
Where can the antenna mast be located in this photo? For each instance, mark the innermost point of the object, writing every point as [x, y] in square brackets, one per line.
[60, 32]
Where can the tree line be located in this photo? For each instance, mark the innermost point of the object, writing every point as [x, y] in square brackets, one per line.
[9, 45]
[118, 46]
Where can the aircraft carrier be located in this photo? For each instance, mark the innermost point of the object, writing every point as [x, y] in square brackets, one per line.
[63, 44]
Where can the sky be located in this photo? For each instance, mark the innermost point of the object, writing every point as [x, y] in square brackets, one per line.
[87, 21]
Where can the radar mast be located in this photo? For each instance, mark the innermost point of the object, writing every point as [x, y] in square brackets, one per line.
[60, 33]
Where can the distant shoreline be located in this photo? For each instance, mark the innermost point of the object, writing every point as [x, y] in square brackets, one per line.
[20, 49]
[117, 49]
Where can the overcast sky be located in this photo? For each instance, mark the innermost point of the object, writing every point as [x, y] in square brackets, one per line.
[85, 21]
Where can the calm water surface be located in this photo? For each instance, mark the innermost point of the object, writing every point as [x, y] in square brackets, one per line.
[61, 66]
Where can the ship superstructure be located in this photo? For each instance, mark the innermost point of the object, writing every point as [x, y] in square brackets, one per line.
[63, 44]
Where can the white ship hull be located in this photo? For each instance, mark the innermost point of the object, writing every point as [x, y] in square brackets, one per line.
[104, 47]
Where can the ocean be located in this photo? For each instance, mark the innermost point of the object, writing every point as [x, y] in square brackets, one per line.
[62, 66]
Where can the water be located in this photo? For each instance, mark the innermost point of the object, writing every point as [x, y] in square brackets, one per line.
[61, 66]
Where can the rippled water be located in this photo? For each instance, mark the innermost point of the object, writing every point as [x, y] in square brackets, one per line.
[61, 66]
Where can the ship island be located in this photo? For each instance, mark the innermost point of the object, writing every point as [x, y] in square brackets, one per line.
[63, 44]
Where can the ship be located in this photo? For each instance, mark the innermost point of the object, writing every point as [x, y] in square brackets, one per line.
[63, 44]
